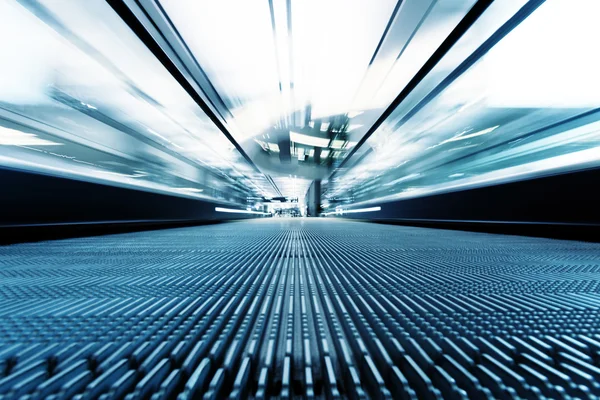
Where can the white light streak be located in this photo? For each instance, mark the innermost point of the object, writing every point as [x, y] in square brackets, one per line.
[187, 189]
[471, 135]
[358, 210]
[13, 137]
[233, 210]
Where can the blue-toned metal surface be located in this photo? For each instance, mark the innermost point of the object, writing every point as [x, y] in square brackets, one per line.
[315, 308]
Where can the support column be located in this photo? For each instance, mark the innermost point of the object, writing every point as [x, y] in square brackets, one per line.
[313, 199]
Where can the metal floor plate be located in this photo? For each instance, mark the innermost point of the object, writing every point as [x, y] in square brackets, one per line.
[300, 308]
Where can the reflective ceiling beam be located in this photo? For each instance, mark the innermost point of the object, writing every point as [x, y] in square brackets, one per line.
[474, 13]
[180, 64]
[504, 30]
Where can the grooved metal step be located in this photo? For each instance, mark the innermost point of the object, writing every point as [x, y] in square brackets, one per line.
[300, 308]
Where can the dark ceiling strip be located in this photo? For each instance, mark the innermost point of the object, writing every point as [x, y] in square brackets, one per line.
[138, 28]
[468, 20]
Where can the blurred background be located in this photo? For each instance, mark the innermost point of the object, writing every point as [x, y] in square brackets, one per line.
[310, 105]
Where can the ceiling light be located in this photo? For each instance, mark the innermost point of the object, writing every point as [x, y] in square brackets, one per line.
[337, 144]
[308, 140]
[273, 147]
[341, 211]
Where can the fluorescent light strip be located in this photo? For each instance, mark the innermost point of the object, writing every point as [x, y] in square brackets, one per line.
[358, 210]
[308, 140]
[233, 210]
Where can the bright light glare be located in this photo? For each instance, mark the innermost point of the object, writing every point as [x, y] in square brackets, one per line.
[12, 137]
[320, 45]
[547, 61]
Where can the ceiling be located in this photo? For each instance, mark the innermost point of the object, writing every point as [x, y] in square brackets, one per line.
[298, 83]
[239, 100]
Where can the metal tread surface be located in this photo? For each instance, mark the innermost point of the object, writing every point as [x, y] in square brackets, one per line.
[300, 308]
